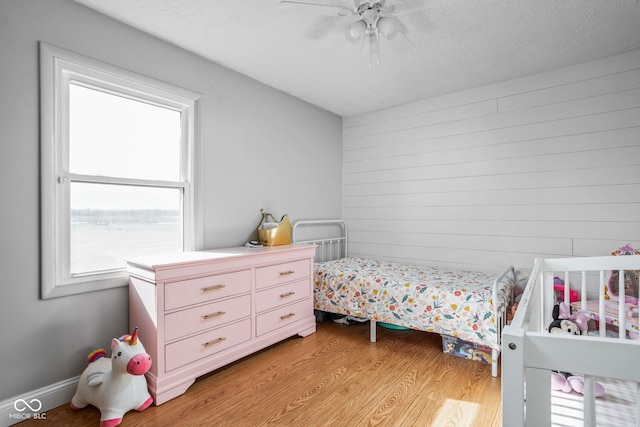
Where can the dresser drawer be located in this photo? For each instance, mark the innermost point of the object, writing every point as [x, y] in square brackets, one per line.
[283, 294]
[203, 289]
[191, 349]
[272, 320]
[192, 320]
[281, 273]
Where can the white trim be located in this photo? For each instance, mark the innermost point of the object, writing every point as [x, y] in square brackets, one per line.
[58, 68]
[197, 191]
[112, 72]
[50, 397]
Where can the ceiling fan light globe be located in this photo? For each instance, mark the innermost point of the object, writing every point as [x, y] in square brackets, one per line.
[389, 27]
[356, 31]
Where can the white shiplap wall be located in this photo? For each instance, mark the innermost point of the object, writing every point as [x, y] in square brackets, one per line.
[542, 166]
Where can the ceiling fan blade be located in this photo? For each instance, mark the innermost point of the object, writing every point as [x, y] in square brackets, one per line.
[402, 7]
[317, 8]
[324, 26]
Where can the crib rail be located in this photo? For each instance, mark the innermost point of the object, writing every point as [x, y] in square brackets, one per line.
[333, 243]
[530, 352]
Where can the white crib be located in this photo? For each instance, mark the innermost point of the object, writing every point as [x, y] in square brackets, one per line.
[530, 352]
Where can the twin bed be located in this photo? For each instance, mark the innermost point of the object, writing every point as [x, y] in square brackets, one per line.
[467, 305]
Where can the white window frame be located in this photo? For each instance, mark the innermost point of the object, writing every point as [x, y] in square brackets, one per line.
[59, 67]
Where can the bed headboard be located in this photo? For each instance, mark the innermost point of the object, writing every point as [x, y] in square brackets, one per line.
[329, 235]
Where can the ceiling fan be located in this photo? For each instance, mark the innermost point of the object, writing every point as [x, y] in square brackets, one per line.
[373, 18]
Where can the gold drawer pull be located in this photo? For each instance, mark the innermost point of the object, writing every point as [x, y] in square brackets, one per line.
[288, 294]
[212, 315]
[216, 341]
[286, 316]
[286, 273]
[213, 288]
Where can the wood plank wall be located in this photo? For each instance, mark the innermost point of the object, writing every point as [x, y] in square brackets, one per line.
[542, 166]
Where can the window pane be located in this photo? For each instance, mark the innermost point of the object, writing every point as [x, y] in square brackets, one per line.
[110, 135]
[110, 223]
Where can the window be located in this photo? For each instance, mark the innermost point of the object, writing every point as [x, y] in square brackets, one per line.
[116, 171]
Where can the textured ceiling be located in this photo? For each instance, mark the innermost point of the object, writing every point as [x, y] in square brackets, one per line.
[459, 44]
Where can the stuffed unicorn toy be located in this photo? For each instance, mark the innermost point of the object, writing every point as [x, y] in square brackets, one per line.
[117, 385]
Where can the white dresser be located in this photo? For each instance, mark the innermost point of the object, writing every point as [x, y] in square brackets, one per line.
[198, 311]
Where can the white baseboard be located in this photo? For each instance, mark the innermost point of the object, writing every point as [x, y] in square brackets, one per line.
[36, 403]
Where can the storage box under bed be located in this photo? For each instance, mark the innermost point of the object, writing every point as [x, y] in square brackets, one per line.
[466, 349]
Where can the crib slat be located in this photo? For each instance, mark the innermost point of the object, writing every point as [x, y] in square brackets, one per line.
[589, 399]
[638, 404]
[583, 291]
[538, 396]
[601, 313]
[622, 315]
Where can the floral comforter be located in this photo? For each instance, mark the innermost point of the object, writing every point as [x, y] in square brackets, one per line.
[451, 302]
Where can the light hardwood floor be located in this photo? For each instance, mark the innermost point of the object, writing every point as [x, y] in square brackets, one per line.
[334, 377]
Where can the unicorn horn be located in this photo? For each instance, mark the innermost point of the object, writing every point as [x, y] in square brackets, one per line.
[134, 337]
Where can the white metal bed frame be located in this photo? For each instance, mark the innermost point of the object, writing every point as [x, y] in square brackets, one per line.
[328, 248]
[337, 247]
[530, 352]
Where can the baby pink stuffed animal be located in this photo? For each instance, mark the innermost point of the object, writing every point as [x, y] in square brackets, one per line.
[117, 385]
[567, 384]
[573, 324]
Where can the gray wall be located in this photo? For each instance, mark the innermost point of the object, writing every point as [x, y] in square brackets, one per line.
[243, 124]
[541, 166]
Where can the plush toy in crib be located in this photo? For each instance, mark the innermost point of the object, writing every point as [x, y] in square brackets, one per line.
[566, 323]
[567, 383]
[572, 324]
[116, 385]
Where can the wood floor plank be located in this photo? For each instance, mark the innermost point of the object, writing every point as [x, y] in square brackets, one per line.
[335, 377]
